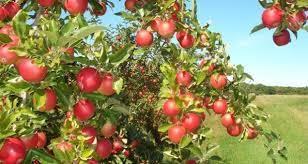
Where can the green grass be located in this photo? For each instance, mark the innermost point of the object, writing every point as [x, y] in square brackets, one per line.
[289, 117]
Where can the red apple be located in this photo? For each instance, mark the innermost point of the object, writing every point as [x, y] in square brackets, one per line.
[220, 106]
[70, 51]
[102, 11]
[134, 144]
[183, 78]
[218, 81]
[191, 122]
[117, 146]
[144, 38]
[7, 56]
[13, 151]
[227, 120]
[75, 7]
[170, 108]
[176, 133]
[92, 161]
[126, 153]
[272, 17]
[186, 40]
[130, 5]
[155, 24]
[12, 9]
[104, 148]
[30, 141]
[88, 79]
[282, 39]
[108, 129]
[252, 133]
[191, 161]
[106, 86]
[29, 71]
[179, 35]
[84, 109]
[42, 140]
[51, 100]
[8, 30]
[89, 131]
[174, 17]
[176, 7]
[3, 13]
[46, 3]
[235, 130]
[167, 28]
[296, 20]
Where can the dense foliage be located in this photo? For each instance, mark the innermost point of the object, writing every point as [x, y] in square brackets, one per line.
[76, 92]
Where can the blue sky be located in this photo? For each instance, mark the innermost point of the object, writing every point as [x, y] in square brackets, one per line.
[267, 63]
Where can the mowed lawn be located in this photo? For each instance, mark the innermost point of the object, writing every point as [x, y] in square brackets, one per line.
[289, 117]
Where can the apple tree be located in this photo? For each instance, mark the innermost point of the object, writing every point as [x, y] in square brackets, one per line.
[74, 91]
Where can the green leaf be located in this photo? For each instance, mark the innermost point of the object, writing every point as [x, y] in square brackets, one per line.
[4, 39]
[216, 158]
[118, 85]
[51, 36]
[306, 28]
[85, 154]
[195, 150]
[19, 24]
[185, 141]
[95, 96]
[62, 96]
[79, 35]
[18, 87]
[67, 28]
[120, 109]
[118, 106]
[265, 4]
[39, 100]
[164, 127]
[121, 56]
[126, 16]
[257, 28]
[40, 155]
[198, 110]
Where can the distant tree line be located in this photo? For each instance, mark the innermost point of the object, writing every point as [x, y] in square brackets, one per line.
[276, 90]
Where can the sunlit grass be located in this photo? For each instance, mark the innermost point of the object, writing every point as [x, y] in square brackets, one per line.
[289, 117]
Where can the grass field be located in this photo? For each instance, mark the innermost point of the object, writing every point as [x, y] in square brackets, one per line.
[289, 117]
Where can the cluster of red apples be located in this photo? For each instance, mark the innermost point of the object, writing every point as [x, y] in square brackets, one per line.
[185, 122]
[110, 143]
[276, 17]
[165, 28]
[14, 149]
